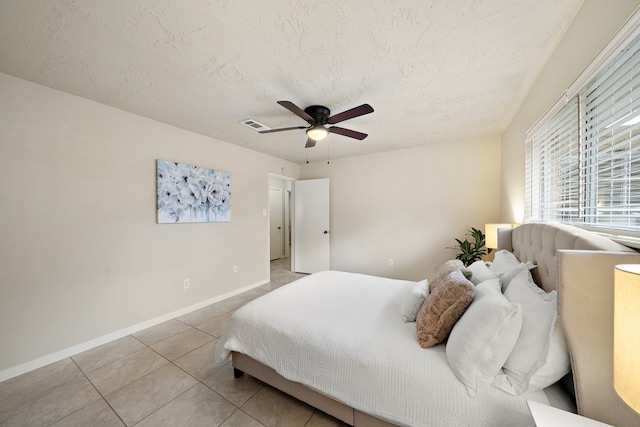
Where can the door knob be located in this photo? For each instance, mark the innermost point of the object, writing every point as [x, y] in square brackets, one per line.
[278, 228]
[326, 232]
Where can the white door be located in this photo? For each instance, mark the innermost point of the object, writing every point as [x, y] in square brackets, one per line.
[275, 222]
[311, 225]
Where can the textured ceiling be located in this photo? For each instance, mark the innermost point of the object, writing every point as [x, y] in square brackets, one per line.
[433, 70]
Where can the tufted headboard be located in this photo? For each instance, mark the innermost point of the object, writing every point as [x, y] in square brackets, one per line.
[580, 265]
[539, 243]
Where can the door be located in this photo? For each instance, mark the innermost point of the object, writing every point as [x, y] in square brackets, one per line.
[311, 225]
[275, 223]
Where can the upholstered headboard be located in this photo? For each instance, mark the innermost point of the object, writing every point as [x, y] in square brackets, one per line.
[580, 264]
[539, 243]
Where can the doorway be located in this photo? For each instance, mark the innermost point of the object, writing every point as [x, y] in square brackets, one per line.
[276, 223]
[280, 188]
[299, 236]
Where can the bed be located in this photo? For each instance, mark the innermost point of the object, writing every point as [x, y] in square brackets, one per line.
[335, 340]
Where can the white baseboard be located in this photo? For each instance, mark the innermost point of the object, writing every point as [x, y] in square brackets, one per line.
[70, 351]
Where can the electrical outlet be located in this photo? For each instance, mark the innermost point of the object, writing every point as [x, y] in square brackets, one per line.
[235, 268]
[390, 262]
[186, 283]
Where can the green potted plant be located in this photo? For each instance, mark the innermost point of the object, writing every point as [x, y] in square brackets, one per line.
[472, 251]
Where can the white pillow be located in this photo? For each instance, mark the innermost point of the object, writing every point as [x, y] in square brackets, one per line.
[540, 356]
[508, 277]
[483, 338]
[480, 272]
[413, 301]
[506, 264]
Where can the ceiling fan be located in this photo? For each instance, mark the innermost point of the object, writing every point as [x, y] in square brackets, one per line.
[318, 116]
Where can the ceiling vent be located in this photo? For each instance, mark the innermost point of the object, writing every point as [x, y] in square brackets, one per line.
[255, 125]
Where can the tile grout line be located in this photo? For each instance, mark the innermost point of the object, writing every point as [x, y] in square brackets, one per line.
[197, 382]
[253, 418]
[120, 358]
[97, 391]
[164, 338]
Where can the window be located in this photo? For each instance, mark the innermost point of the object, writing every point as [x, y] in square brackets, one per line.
[610, 117]
[582, 160]
[552, 163]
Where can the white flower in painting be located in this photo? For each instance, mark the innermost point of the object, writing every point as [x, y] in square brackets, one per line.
[186, 197]
[167, 194]
[220, 194]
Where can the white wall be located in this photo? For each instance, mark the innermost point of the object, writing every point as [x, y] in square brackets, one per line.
[594, 25]
[81, 254]
[409, 205]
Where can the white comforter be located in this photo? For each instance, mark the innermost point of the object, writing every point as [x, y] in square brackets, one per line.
[342, 334]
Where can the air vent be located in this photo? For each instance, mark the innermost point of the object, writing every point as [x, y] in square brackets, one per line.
[255, 125]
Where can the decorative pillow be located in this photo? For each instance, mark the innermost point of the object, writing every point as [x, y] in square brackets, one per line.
[480, 273]
[413, 301]
[442, 308]
[484, 336]
[448, 267]
[540, 356]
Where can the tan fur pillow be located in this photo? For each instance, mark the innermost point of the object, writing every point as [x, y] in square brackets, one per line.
[442, 308]
[445, 269]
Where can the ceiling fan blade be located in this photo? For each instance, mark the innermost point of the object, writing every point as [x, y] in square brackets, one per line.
[296, 110]
[350, 114]
[282, 129]
[310, 143]
[348, 132]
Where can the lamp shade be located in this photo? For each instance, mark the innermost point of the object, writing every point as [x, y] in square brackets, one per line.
[317, 132]
[491, 234]
[626, 336]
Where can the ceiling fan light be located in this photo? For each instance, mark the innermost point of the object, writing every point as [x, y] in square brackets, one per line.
[317, 132]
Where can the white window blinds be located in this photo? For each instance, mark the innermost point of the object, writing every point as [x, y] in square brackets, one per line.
[610, 106]
[553, 167]
[582, 162]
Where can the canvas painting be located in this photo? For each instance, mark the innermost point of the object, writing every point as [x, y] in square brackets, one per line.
[189, 193]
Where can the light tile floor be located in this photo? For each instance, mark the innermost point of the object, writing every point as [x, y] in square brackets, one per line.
[162, 376]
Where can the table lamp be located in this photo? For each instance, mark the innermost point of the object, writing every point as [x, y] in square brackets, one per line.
[491, 234]
[626, 334]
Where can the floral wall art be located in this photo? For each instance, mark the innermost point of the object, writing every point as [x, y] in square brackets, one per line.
[189, 193]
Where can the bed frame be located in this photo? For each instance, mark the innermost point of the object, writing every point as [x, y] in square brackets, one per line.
[579, 264]
[329, 405]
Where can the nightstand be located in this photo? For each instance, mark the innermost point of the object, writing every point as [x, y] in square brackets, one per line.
[548, 416]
